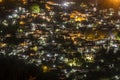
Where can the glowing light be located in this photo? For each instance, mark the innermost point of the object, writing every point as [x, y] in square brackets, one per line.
[115, 2]
[24, 1]
[21, 22]
[3, 44]
[45, 68]
[65, 4]
[1, 1]
[77, 16]
[14, 15]
[89, 57]
[35, 48]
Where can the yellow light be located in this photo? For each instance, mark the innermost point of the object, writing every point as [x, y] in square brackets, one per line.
[45, 69]
[23, 44]
[1, 1]
[89, 57]
[3, 44]
[21, 22]
[35, 48]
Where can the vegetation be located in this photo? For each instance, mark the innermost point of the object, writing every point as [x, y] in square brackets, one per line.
[35, 8]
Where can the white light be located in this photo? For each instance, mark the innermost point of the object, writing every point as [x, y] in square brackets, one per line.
[48, 55]
[94, 9]
[43, 59]
[89, 25]
[9, 16]
[61, 58]
[14, 15]
[5, 23]
[56, 55]
[116, 77]
[54, 66]
[65, 4]
[65, 71]
[39, 61]
[20, 8]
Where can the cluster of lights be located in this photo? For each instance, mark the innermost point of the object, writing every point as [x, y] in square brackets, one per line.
[41, 47]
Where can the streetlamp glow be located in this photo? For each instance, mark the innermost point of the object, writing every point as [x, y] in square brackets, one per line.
[115, 1]
[0, 1]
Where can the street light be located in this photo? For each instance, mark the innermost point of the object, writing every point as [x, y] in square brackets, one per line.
[65, 4]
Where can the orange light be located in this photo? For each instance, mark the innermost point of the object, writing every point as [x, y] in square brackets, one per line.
[24, 1]
[1, 1]
[115, 2]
